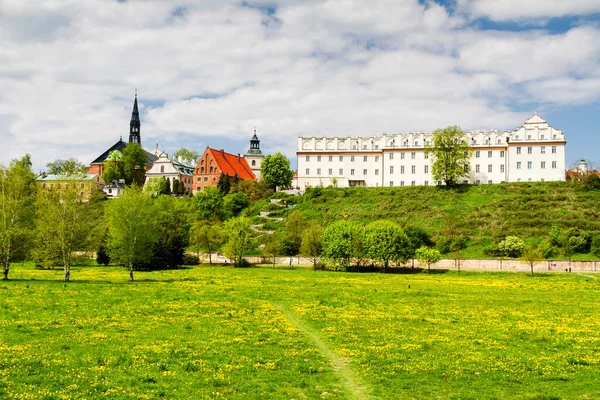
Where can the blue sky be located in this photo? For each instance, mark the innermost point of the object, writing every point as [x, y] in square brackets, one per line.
[209, 72]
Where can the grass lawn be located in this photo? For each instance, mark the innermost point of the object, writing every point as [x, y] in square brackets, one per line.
[217, 332]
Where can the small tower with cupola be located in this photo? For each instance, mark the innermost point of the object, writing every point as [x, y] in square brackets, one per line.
[254, 156]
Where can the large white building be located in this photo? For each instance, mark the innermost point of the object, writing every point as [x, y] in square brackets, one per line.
[533, 152]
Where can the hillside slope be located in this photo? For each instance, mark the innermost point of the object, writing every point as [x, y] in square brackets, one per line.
[484, 214]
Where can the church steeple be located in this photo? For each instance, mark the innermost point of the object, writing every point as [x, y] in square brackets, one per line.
[254, 145]
[134, 124]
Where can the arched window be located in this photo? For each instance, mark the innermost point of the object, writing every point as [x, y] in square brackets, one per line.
[202, 169]
[253, 163]
[162, 168]
[211, 169]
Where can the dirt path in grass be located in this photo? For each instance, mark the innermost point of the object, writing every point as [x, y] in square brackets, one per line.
[340, 364]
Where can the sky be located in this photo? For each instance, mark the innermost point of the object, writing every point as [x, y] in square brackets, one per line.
[209, 72]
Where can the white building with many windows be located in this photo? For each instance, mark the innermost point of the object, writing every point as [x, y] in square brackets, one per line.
[533, 152]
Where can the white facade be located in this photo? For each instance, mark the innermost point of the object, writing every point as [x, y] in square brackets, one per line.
[534, 152]
[171, 169]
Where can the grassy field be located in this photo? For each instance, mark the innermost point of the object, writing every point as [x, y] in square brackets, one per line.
[216, 332]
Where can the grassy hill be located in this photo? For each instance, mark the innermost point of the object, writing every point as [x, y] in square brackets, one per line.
[485, 214]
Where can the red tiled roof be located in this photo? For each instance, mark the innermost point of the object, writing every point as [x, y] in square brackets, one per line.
[231, 164]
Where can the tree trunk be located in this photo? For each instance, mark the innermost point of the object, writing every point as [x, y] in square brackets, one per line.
[531, 269]
[67, 274]
[5, 276]
[210, 257]
[131, 271]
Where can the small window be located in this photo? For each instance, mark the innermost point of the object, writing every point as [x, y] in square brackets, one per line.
[553, 164]
[341, 158]
[543, 150]
[426, 169]
[365, 158]
[501, 167]
[391, 158]
[518, 150]
[351, 158]
[413, 169]
[529, 164]
[318, 171]
[330, 171]
[477, 168]
[553, 149]
[529, 150]
[401, 183]
[413, 183]
[341, 171]
[391, 169]
[162, 168]
[426, 183]
[330, 158]
[307, 158]
[489, 154]
[254, 163]
[307, 171]
[543, 165]
[364, 171]
[351, 172]
[376, 172]
[402, 169]
[402, 156]
[518, 164]
[376, 158]
[490, 168]
[477, 154]
[318, 158]
[391, 183]
[413, 155]
[501, 153]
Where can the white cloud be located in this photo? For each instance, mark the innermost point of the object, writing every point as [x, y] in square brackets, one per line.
[532, 10]
[314, 67]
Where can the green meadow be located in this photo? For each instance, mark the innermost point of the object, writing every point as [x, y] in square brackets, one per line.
[258, 333]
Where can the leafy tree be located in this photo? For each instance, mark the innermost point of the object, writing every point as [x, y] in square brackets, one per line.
[384, 241]
[172, 218]
[65, 221]
[186, 154]
[132, 233]
[209, 203]
[102, 253]
[312, 243]
[595, 246]
[238, 239]
[451, 154]
[17, 199]
[276, 172]
[593, 181]
[273, 247]
[167, 186]
[427, 256]
[156, 186]
[66, 167]
[224, 184]
[342, 241]
[511, 246]
[234, 203]
[532, 255]
[295, 225]
[207, 236]
[417, 237]
[255, 190]
[134, 163]
[113, 167]
[178, 187]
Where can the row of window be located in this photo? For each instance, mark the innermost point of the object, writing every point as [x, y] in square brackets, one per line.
[542, 150]
[413, 170]
[199, 179]
[489, 154]
[413, 155]
[530, 165]
[489, 169]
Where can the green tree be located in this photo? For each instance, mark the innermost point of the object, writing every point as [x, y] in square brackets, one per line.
[134, 164]
[224, 184]
[65, 221]
[66, 167]
[451, 154]
[234, 203]
[295, 225]
[173, 218]
[209, 203]
[511, 246]
[17, 200]
[595, 246]
[273, 247]
[156, 186]
[342, 241]
[531, 255]
[113, 167]
[208, 236]
[238, 239]
[132, 233]
[384, 241]
[311, 246]
[276, 172]
[427, 256]
[186, 154]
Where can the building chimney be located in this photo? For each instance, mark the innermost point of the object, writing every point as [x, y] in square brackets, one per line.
[223, 152]
[238, 157]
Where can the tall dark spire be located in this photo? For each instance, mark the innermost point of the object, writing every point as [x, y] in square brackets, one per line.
[134, 124]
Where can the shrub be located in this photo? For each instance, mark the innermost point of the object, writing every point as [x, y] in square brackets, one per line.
[595, 247]
[189, 259]
[511, 246]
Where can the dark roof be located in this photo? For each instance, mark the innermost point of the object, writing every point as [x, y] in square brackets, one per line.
[120, 145]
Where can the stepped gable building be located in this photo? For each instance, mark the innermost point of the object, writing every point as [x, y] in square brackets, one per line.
[97, 166]
[533, 152]
[254, 156]
[214, 162]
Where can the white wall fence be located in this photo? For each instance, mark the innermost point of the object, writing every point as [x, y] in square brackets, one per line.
[450, 264]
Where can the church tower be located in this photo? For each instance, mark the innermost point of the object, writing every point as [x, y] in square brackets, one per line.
[134, 124]
[254, 156]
